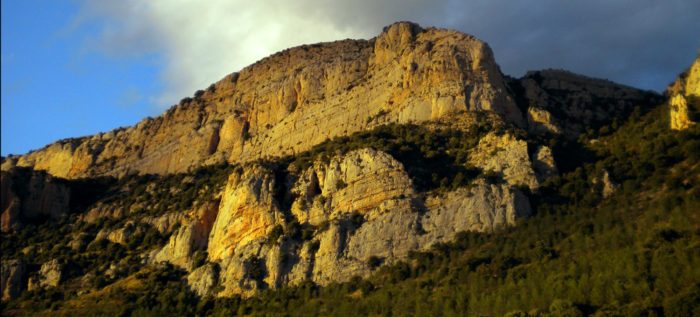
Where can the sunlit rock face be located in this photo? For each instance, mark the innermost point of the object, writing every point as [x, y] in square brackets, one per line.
[685, 97]
[297, 98]
[351, 213]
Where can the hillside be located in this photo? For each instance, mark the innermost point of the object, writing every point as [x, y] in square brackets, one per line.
[400, 175]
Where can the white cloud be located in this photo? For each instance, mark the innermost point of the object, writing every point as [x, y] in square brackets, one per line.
[200, 42]
[636, 42]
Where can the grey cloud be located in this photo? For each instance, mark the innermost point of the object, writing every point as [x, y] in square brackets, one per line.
[642, 43]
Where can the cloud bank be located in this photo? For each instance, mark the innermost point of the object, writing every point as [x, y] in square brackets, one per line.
[644, 43]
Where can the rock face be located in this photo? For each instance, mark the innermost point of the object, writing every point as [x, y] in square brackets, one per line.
[347, 216]
[685, 97]
[190, 238]
[297, 98]
[357, 182]
[607, 185]
[506, 155]
[51, 273]
[561, 102]
[29, 195]
[12, 278]
[203, 279]
[248, 212]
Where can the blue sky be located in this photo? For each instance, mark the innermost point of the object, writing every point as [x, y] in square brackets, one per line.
[77, 67]
[53, 86]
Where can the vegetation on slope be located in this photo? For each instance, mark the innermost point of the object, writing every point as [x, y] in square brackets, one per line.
[634, 253]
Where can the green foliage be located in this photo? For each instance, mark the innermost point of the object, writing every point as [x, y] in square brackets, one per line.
[340, 184]
[434, 159]
[276, 232]
[374, 262]
[199, 258]
[255, 268]
[634, 253]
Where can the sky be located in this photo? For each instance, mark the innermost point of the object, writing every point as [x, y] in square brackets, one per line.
[77, 67]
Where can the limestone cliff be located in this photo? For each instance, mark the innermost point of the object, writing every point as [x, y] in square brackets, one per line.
[561, 102]
[29, 195]
[348, 215]
[506, 155]
[685, 97]
[292, 100]
[262, 221]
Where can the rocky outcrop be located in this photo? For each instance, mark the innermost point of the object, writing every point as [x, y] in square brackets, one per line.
[192, 237]
[543, 163]
[560, 102]
[248, 212]
[685, 97]
[51, 274]
[30, 195]
[482, 208]
[349, 215]
[680, 114]
[365, 181]
[506, 155]
[295, 99]
[203, 279]
[12, 278]
[606, 183]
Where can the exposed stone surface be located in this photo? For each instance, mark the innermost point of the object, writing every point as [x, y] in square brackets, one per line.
[374, 214]
[248, 211]
[12, 278]
[543, 163]
[292, 100]
[190, 238]
[360, 182]
[685, 91]
[483, 208]
[680, 114]
[606, 183]
[540, 121]
[51, 273]
[506, 155]
[342, 216]
[203, 279]
[30, 195]
[563, 102]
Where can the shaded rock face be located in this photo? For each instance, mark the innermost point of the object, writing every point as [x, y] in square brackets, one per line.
[12, 278]
[560, 102]
[358, 210]
[203, 279]
[28, 195]
[292, 100]
[190, 238]
[685, 97]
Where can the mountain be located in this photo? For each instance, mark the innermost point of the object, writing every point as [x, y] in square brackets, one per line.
[353, 170]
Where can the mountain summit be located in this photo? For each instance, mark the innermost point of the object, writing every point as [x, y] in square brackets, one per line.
[365, 171]
[295, 99]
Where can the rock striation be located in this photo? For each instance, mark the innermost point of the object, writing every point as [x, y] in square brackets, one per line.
[292, 100]
[510, 158]
[348, 212]
[348, 215]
